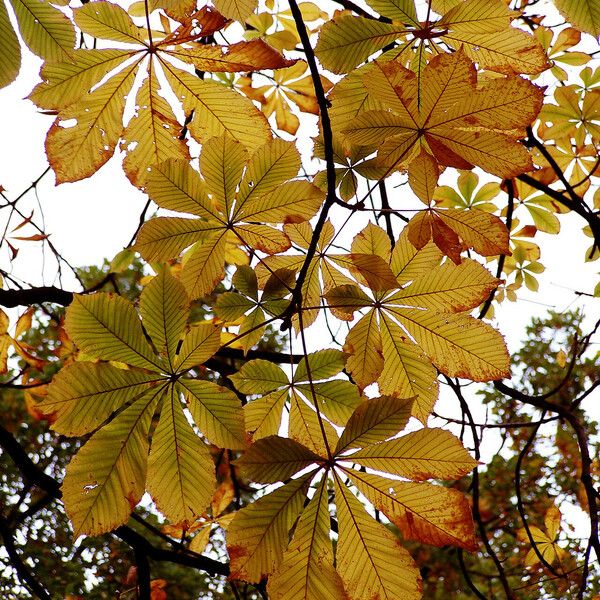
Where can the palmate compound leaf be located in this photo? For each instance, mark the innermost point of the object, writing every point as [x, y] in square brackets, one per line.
[481, 27]
[323, 272]
[233, 199]
[446, 115]
[310, 387]
[246, 307]
[119, 400]
[418, 324]
[89, 92]
[370, 561]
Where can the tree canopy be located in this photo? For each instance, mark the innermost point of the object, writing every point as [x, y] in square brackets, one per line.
[273, 390]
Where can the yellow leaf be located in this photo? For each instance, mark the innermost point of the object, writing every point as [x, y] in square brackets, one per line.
[258, 535]
[45, 29]
[239, 10]
[105, 480]
[363, 345]
[181, 474]
[582, 14]
[272, 459]
[153, 130]
[78, 151]
[370, 560]
[164, 308]
[109, 21]
[308, 429]
[10, 50]
[482, 131]
[306, 571]
[217, 412]
[423, 454]
[373, 421]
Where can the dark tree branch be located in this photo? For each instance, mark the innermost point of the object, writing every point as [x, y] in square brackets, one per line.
[475, 492]
[520, 506]
[142, 573]
[331, 197]
[37, 295]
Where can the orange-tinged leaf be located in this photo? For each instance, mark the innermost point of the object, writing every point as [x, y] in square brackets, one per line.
[423, 177]
[426, 226]
[154, 131]
[78, 151]
[370, 560]
[427, 513]
[430, 108]
[242, 56]
[109, 21]
[480, 230]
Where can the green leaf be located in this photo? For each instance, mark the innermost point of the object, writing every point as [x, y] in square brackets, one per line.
[10, 50]
[259, 377]
[45, 29]
[164, 307]
[200, 343]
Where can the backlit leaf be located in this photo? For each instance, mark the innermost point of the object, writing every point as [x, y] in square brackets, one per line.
[181, 474]
[258, 535]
